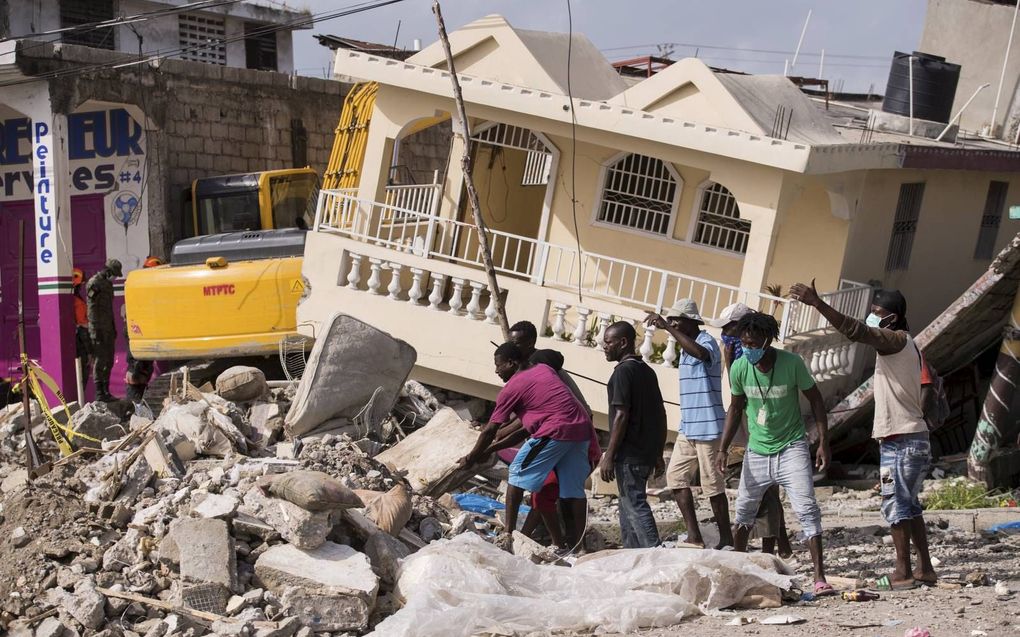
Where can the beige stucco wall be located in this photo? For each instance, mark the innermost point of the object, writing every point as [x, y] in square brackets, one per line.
[942, 263]
[811, 240]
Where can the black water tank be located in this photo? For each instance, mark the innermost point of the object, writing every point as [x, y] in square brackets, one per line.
[934, 86]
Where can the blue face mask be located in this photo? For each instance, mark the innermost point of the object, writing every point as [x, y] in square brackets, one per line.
[873, 320]
[734, 342]
[754, 354]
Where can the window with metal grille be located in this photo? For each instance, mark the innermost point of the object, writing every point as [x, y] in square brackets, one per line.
[75, 13]
[719, 222]
[990, 220]
[260, 46]
[202, 39]
[639, 192]
[908, 209]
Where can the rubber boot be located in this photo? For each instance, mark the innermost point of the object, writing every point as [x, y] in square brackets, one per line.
[103, 393]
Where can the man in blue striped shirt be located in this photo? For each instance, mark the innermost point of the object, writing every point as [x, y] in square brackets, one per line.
[701, 420]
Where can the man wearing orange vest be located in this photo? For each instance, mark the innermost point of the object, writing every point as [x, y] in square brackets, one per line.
[83, 344]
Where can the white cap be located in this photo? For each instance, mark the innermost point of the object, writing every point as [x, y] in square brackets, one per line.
[731, 313]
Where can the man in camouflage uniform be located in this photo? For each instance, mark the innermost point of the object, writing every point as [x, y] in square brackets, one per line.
[102, 330]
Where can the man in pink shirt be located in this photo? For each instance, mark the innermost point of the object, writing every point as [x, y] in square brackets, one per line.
[536, 405]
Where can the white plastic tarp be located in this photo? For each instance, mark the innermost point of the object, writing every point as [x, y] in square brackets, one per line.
[466, 586]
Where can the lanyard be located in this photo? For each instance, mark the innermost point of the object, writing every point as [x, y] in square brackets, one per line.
[772, 380]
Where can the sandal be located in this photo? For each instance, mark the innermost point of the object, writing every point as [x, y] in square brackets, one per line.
[824, 589]
[885, 585]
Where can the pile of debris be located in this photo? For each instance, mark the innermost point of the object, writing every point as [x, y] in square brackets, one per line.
[272, 510]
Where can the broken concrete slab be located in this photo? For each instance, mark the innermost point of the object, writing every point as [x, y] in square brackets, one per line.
[97, 421]
[351, 365]
[209, 551]
[135, 479]
[86, 605]
[14, 480]
[385, 552]
[213, 505]
[329, 588]
[305, 529]
[124, 552]
[267, 421]
[428, 457]
[250, 526]
[50, 627]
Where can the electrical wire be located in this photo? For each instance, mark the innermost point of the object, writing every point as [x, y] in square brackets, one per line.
[286, 26]
[748, 50]
[573, 153]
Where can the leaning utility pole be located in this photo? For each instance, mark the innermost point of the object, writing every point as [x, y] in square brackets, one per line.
[460, 129]
[995, 418]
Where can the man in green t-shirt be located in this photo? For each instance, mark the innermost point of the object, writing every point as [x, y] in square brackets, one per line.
[766, 384]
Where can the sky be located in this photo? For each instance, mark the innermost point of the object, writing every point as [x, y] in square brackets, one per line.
[858, 37]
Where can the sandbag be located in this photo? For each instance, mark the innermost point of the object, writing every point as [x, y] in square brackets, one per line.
[310, 490]
[241, 384]
[391, 510]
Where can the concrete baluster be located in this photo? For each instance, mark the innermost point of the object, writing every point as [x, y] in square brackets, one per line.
[354, 276]
[490, 309]
[646, 350]
[375, 277]
[474, 306]
[438, 280]
[581, 330]
[605, 320]
[456, 300]
[394, 287]
[669, 354]
[559, 325]
[415, 293]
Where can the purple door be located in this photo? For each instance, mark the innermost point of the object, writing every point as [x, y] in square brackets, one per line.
[89, 241]
[11, 213]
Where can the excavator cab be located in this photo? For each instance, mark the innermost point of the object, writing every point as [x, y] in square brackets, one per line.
[266, 200]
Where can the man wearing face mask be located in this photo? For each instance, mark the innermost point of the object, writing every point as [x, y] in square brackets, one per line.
[899, 426]
[765, 384]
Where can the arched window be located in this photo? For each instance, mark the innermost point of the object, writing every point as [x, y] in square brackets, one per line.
[639, 192]
[719, 222]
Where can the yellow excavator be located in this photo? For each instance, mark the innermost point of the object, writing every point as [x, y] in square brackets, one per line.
[230, 291]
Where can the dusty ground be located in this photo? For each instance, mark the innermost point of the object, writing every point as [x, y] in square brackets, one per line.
[943, 612]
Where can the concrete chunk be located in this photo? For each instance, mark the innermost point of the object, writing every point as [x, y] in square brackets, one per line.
[305, 529]
[429, 456]
[385, 552]
[208, 554]
[214, 506]
[85, 604]
[330, 588]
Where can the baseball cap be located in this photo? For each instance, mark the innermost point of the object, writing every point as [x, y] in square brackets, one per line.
[731, 313]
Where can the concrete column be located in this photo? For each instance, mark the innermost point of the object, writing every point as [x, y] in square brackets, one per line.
[53, 250]
[760, 245]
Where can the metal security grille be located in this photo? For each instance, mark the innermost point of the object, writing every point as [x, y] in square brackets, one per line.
[74, 13]
[639, 192]
[719, 222]
[990, 220]
[537, 164]
[908, 209]
[259, 47]
[202, 38]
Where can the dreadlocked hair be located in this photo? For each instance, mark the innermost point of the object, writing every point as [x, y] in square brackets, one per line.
[759, 324]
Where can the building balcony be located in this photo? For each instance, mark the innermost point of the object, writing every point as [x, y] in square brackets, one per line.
[399, 266]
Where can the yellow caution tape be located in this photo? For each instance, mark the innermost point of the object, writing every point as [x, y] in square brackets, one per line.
[37, 378]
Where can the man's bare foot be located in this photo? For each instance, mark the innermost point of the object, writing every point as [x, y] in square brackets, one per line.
[926, 577]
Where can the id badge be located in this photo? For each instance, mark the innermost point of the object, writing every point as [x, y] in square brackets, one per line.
[762, 416]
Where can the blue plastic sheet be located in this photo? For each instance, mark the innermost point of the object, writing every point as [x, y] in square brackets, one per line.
[477, 503]
[1006, 527]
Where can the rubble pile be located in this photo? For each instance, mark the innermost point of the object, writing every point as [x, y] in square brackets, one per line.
[202, 519]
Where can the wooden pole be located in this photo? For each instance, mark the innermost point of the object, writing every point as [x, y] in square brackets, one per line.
[34, 463]
[460, 129]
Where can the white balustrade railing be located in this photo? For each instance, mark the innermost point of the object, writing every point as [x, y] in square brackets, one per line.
[415, 228]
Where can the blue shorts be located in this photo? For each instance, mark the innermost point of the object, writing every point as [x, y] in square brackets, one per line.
[539, 456]
[903, 466]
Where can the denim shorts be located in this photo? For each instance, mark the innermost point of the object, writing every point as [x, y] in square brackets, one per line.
[903, 466]
[539, 456]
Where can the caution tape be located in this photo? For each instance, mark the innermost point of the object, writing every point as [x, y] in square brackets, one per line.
[62, 434]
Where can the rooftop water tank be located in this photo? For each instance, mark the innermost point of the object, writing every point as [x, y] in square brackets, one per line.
[934, 86]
